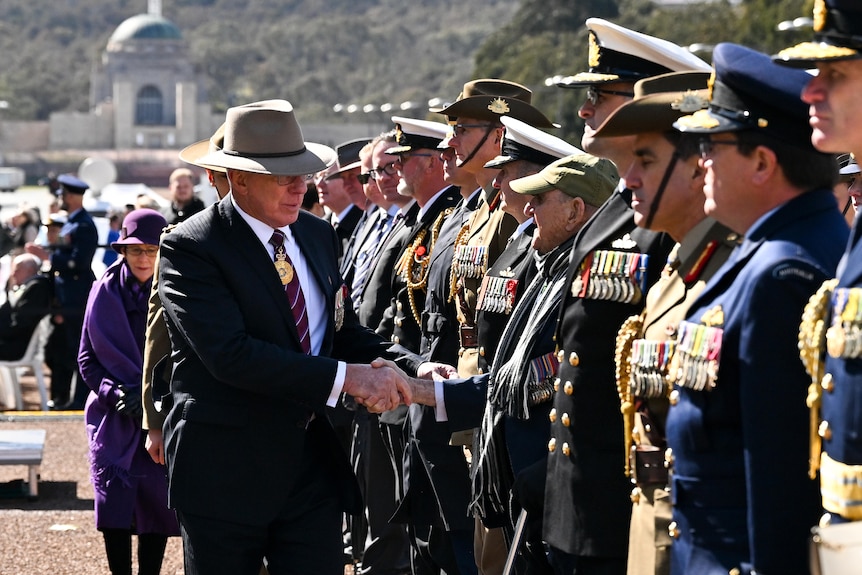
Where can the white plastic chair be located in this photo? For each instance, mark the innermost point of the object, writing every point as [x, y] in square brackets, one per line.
[33, 358]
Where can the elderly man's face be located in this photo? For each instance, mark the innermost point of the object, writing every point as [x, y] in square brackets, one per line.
[274, 200]
[21, 272]
[834, 97]
[551, 214]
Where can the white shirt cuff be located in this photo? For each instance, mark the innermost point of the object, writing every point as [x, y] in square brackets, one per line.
[337, 385]
[440, 410]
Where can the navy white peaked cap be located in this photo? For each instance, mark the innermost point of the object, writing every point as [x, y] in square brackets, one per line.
[413, 134]
[618, 54]
[524, 142]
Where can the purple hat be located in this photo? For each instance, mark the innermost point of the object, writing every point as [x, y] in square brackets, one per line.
[143, 226]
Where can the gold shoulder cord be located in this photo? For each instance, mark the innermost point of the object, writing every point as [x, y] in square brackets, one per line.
[629, 331]
[454, 280]
[812, 344]
[413, 268]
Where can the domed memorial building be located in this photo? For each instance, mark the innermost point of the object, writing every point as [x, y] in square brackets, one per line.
[144, 93]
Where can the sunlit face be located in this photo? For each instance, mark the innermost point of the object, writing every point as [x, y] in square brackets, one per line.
[369, 188]
[727, 198]
[274, 200]
[182, 189]
[682, 199]
[834, 97]
[21, 272]
[331, 192]
[551, 214]
[141, 260]
[512, 202]
[594, 115]
[387, 184]
[469, 134]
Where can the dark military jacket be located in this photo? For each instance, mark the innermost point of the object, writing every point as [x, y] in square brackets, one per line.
[587, 506]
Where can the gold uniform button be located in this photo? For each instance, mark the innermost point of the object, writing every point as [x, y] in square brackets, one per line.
[398, 322]
[552, 445]
[824, 430]
[668, 458]
[673, 530]
[734, 571]
[482, 351]
[827, 383]
[574, 359]
[399, 306]
[553, 415]
[635, 495]
[396, 339]
[566, 450]
[647, 427]
[566, 420]
[673, 398]
[569, 388]
[557, 384]
[480, 370]
[560, 355]
[732, 237]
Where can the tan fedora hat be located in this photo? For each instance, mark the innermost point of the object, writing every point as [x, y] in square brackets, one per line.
[192, 154]
[265, 138]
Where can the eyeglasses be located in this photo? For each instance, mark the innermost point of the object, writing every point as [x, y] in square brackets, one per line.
[137, 252]
[593, 94]
[461, 129]
[363, 177]
[388, 169]
[707, 146]
[289, 180]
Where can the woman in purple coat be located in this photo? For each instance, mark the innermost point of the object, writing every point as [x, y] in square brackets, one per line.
[130, 489]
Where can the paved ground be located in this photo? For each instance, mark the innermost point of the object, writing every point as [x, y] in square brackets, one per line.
[56, 533]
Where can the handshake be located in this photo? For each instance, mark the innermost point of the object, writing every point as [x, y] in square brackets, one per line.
[383, 386]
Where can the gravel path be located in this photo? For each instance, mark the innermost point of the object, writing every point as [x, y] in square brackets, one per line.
[56, 533]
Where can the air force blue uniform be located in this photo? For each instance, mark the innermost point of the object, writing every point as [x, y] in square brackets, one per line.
[738, 426]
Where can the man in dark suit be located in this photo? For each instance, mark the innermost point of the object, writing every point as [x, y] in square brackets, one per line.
[262, 331]
[71, 262]
[28, 301]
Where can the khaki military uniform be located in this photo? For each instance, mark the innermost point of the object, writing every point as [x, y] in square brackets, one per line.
[478, 245]
[644, 350]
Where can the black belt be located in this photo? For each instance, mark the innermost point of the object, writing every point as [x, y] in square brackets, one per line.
[467, 336]
[648, 465]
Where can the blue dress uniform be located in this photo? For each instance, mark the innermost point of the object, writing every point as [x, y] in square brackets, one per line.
[838, 386]
[71, 266]
[738, 425]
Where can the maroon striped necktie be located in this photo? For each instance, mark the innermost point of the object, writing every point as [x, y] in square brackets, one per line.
[295, 299]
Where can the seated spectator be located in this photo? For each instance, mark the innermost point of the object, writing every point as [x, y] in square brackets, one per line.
[27, 302]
